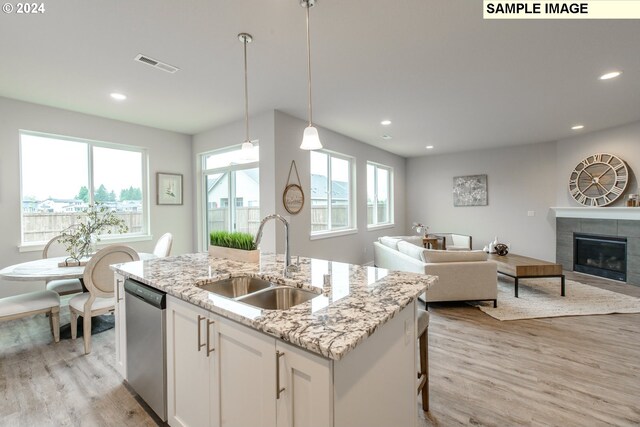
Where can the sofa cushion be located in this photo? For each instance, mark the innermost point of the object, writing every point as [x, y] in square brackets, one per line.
[414, 240]
[411, 250]
[437, 256]
[392, 241]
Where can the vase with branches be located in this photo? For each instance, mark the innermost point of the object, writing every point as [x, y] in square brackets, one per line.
[80, 239]
[420, 228]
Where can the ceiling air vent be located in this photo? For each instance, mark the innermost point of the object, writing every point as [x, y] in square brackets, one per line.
[156, 64]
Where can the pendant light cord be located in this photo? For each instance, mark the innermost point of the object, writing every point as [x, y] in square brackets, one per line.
[309, 63]
[246, 92]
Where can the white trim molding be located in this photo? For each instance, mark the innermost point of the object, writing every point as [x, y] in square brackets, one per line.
[597, 212]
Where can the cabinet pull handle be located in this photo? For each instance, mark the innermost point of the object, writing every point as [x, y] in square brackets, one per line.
[279, 390]
[200, 345]
[118, 281]
[209, 349]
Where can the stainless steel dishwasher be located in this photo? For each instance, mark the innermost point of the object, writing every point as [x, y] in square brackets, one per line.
[146, 346]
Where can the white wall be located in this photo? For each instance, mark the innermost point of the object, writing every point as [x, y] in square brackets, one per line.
[261, 128]
[280, 136]
[168, 152]
[520, 179]
[622, 141]
[353, 248]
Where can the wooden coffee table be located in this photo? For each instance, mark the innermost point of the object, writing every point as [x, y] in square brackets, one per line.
[522, 267]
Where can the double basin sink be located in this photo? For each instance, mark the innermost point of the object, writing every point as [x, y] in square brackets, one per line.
[259, 293]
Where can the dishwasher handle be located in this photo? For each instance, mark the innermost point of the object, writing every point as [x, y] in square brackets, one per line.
[146, 293]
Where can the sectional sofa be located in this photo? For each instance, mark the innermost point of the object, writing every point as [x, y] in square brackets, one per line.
[463, 275]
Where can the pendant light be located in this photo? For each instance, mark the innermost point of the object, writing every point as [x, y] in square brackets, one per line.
[247, 145]
[310, 138]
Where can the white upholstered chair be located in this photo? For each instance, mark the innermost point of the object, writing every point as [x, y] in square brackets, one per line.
[98, 279]
[33, 303]
[163, 245]
[61, 286]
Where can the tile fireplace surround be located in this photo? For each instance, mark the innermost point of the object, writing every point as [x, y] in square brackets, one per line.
[565, 227]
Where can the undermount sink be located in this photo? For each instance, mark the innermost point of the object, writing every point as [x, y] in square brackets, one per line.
[278, 298]
[235, 287]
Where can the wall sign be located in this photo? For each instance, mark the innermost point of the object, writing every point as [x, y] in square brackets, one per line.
[293, 196]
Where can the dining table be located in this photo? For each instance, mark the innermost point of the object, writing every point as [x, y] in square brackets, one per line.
[48, 269]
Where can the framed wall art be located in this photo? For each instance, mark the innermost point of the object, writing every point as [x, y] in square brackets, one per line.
[168, 188]
[470, 190]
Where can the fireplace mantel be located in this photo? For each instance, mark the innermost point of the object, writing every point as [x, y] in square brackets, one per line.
[597, 213]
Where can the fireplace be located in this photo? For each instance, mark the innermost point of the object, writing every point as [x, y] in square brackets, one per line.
[604, 256]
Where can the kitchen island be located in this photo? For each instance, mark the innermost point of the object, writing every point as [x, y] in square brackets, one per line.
[346, 357]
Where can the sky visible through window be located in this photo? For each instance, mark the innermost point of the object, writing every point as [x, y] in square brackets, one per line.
[57, 168]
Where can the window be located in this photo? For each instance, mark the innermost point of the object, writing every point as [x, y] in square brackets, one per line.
[331, 192]
[61, 176]
[231, 191]
[379, 201]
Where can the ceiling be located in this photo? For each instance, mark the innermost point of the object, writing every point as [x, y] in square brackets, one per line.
[441, 73]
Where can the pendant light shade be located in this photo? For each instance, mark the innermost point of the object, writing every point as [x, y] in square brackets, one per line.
[310, 138]
[247, 145]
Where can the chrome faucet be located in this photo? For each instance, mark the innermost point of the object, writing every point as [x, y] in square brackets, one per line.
[288, 267]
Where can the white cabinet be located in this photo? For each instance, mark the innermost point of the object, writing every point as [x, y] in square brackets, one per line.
[235, 382]
[191, 365]
[246, 376]
[306, 396]
[121, 323]
[224, 374]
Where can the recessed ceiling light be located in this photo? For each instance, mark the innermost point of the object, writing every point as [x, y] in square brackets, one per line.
[429, 147]
[118, 96]
[385, 122]
[611, 75]
[386, 136]
[577, 127]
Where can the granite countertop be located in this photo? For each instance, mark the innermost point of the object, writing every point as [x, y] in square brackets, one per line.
[358, 301]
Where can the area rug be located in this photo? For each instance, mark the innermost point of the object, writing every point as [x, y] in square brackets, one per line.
[541, 298]
[98, 324]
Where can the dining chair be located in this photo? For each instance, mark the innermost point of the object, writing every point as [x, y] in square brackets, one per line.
[423, 374]
[54, 248]
[163, 245]
[98, 279]
[31, 303]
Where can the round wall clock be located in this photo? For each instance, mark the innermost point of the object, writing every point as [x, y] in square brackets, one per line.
[598, 180]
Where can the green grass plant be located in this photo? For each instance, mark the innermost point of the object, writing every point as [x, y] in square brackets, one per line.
[235, 240]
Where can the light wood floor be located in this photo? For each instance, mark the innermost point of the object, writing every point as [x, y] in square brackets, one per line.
[572, 371]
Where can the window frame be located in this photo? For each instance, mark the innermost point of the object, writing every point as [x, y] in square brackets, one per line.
[391, 222]
[204, 172]
[91, 143]
[351, 227]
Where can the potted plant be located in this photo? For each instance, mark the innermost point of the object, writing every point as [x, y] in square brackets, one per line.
[80, 239]
[235, 245]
